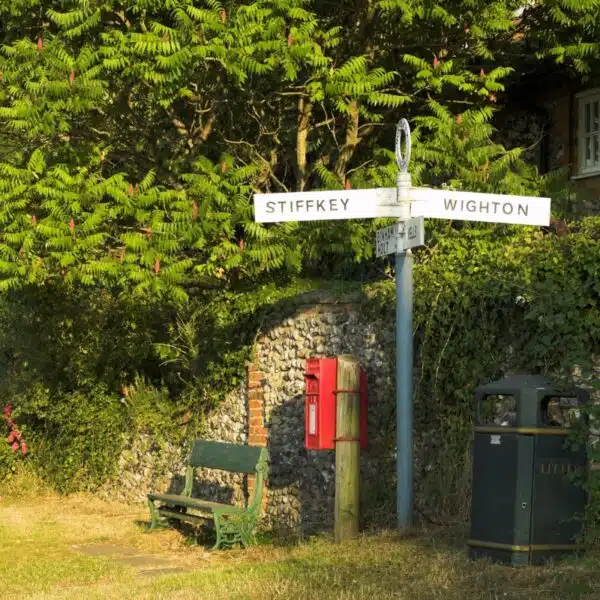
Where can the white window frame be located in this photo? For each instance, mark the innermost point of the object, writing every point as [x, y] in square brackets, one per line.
[588, 167]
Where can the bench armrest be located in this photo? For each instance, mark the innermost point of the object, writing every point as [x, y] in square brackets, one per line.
[189, 481]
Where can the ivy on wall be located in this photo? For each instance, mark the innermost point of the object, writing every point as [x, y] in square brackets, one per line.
[488, 301]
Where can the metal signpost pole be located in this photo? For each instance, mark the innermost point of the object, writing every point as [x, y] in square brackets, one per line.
[404, 342]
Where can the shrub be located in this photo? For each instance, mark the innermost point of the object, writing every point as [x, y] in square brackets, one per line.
[76, 437]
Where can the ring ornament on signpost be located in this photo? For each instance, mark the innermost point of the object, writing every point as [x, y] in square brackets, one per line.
[403, 130]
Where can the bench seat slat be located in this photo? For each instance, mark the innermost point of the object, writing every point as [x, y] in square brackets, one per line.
[197, 503]
[198, 519]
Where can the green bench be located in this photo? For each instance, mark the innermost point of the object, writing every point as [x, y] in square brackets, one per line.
[233, 524]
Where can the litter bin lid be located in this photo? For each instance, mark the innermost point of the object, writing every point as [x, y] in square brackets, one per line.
[527, 401]
[514, 383]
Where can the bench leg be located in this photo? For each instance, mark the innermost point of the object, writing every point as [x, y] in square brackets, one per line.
[218, 533]
[155, 519]
[233, 529]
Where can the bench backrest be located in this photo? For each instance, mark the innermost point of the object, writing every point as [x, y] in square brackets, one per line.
[229, 457]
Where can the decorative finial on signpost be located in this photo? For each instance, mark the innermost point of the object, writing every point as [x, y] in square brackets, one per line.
[403, 181]
[403, 130]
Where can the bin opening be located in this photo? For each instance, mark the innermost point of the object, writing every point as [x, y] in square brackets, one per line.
[557, 411]
[498, 410]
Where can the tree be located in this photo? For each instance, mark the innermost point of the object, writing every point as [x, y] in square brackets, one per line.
[134, 134]
[564, 31]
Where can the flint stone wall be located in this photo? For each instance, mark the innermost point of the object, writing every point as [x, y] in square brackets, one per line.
[300, 485]
[149, 463]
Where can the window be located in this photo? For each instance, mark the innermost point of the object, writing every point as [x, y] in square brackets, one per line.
[588, 132]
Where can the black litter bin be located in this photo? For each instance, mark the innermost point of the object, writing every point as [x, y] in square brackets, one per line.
[527, 498]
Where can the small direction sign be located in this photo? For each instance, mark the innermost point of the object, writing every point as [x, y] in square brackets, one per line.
[400, 237]
[382, 202]
[386, 240]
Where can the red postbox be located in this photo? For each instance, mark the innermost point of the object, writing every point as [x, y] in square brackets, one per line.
[321, 389]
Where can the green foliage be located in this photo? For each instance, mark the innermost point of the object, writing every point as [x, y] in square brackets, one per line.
[565, 31]
[72, 339]
[76, 438]
[66, 359]
[209, 349]
[8, 460]
[134, 137]
[150, 409]
[86, 371]
[13, 446]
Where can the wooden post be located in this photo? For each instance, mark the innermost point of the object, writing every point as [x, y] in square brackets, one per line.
[347, 449]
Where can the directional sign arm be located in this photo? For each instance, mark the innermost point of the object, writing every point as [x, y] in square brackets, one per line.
[474, 206]
[324, 205]
[382, 202]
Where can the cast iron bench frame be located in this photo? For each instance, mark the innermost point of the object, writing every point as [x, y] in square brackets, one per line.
[233, 524]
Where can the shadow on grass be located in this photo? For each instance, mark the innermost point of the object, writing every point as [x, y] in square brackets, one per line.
[193, 535]
[428, 564]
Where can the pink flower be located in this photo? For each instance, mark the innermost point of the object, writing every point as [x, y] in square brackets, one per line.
[15, 446]
[15, 434]
[7, 410]
[24, 448]
[10, 423]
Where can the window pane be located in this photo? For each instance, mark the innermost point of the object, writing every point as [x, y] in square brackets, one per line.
[588, 151]
[595, 123]
[587, 117]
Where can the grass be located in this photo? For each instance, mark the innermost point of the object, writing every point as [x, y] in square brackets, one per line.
[40, 557]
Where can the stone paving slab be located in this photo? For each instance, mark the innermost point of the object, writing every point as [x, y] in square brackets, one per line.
[145, 564]
[106, 550]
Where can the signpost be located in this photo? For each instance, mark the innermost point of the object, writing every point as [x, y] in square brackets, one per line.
[410, 205]
[404, 341]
